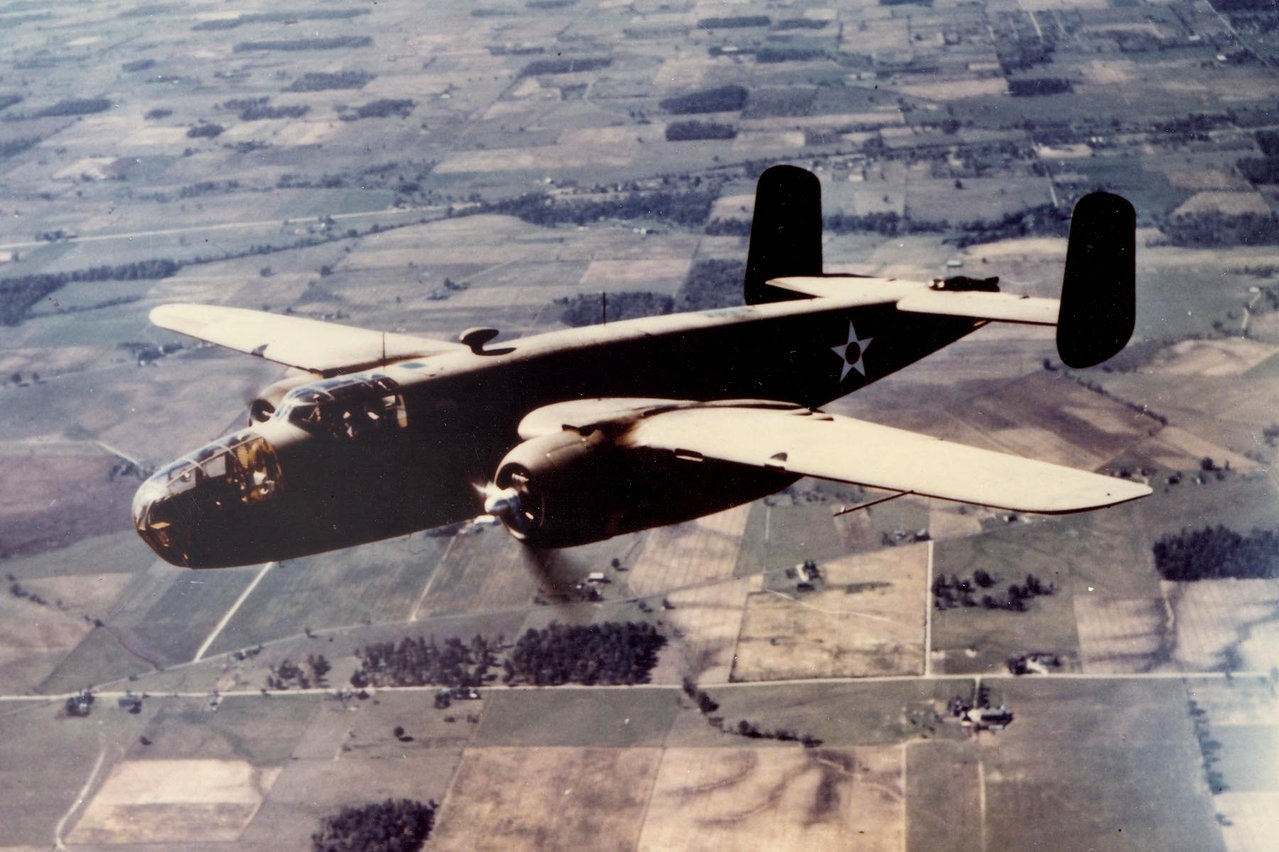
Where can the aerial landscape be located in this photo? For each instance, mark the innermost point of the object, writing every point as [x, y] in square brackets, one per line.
[917, 675]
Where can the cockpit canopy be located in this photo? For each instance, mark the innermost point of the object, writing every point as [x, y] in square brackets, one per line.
[347, 407]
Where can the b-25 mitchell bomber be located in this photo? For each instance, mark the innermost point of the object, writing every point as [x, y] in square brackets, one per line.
[578, 435]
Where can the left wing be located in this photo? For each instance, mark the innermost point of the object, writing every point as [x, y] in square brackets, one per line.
[319, 347]
[827, 446]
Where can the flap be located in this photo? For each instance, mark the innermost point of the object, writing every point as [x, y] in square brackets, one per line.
[313, 345]
[840, 448]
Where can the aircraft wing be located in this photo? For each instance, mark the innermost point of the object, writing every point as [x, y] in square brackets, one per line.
[920, 298]
[841, 448]
[308, 344]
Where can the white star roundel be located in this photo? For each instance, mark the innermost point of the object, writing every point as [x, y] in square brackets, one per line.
[851, 353]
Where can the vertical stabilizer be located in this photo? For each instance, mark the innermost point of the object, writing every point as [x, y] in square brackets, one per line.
[1098, 291]
[786, 232]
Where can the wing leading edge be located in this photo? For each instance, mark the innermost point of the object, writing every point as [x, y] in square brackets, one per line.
[319, 347]
[841, 448]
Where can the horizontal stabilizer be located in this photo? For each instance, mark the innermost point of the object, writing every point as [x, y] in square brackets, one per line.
[1003, 307]
[319, 347]
[829, 446]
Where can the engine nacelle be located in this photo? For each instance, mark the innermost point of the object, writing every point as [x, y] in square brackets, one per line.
[268, 399]
[569, 488]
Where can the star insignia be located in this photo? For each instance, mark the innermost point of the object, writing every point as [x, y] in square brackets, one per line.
[851, 353]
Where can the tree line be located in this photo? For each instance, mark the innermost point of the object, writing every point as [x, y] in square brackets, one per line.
[19, 293]
[395, 825]
[537, 208]
[611, 654]
[1215, 553]
[422, 662]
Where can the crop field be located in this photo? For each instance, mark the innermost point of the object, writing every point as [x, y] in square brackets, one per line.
[865, 620]
[532, 799]
[759, 799]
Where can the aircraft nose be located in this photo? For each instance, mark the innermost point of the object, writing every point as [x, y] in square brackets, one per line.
[194, 512]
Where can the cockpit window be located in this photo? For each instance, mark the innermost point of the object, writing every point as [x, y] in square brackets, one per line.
[348, 408]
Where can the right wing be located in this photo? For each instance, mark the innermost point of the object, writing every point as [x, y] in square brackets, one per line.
[917, 297]
[827, 446]
[319, 347]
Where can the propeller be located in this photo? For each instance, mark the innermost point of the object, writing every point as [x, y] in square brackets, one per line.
[515, 504]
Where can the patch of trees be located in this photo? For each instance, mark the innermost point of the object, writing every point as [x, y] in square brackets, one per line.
[205, 130]
[330, 43]
[800, 24]
[905, 2]
[958, 591]
[154, 114]
[1213, 228]
[788, 53]
[382, 108]
[1215, 553]
[19, 293]
[683, 208]
[887, 223]
[712, 284]
[549, 4]
[728, 228]
[13, 147]
[206, 187]
[256, 109]
[683, 131]
[736, 22]
[145, 353]
[611, 654]
[720, 99]
[396, 825]
[792, 102]
[1044, 220]
[304, 675]
[421, 662]
[8, 100]
[277, 17]
[1260, 169]
[565, 65]
[319, 81]
[75, 106]
[1038, 86]
[138, 65]
[1268, 142]
[587, 309]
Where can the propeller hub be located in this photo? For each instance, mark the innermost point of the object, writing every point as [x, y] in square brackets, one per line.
[502, 504]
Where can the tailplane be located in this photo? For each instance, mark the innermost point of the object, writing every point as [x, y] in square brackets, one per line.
[786, 233]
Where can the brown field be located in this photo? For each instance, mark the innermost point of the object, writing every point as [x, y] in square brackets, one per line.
[690, 554]
[1225, 624]
[1121, 634]
[1230, 357]
[174, 801]
[1229, 203]
[776, 798]
[663, 276]
[943, 796]
[480, 571]
[865, 620]
[708, 619]
[513, 799]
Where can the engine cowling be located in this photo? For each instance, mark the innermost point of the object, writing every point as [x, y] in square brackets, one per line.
[268, 399]
[572, 487]
[557, 490]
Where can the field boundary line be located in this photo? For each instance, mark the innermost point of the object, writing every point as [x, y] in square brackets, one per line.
[435, 572]
[232, 611]
[928, 614]
[80, 797]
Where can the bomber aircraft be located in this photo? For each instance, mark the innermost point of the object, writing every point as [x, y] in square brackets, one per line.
[577, 435]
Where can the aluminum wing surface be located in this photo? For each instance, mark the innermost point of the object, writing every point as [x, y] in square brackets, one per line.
[841, 448]
[319, 347]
